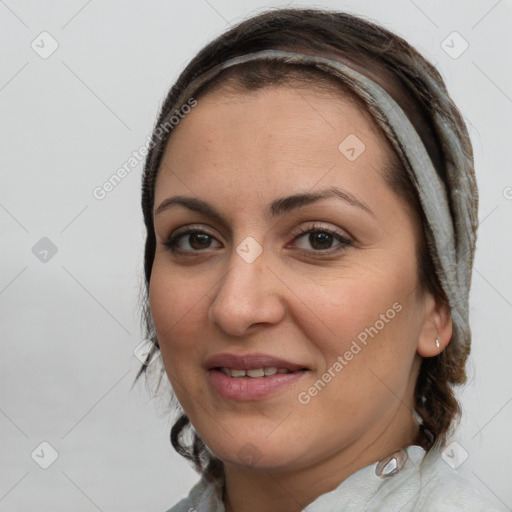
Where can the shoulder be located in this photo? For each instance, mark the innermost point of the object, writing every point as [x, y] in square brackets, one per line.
[445, 489]
[203, 497]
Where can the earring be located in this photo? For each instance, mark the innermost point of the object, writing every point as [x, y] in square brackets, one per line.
[437, 343]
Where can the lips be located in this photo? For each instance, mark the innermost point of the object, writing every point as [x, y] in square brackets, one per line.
[251, 362]
[251, 376]
[253, 373]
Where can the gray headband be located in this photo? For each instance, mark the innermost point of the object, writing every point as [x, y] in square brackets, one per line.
[450, 242]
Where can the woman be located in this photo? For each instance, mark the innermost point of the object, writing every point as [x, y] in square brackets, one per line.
[311, 213]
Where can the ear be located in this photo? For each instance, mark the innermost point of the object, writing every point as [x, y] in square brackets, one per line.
[437, 323]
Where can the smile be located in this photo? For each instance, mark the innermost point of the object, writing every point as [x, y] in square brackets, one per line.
[253, 373]
[251, 376]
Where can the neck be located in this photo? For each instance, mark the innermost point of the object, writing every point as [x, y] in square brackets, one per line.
[256, 490]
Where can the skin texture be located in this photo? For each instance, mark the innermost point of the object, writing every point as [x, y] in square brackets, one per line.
[239, 152]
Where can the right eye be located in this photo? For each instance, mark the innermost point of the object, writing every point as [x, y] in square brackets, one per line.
[191, 241]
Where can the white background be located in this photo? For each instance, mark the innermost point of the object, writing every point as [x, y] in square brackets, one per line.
[69, 325]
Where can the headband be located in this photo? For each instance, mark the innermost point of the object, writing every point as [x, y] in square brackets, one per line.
[450, 240]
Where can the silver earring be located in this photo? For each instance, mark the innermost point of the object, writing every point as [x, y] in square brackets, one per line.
[437, 343]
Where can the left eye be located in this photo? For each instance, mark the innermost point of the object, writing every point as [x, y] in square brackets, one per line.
[320, 240]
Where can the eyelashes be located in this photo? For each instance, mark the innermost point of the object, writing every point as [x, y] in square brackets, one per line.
[197, 240]
[321, 239]
[312, 239]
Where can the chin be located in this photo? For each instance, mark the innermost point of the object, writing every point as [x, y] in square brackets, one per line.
[258, 452]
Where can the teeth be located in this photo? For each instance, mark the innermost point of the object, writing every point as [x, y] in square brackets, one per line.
[253, 372]
[256, 372]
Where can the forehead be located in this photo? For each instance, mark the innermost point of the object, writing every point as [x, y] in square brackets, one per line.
[286, 136]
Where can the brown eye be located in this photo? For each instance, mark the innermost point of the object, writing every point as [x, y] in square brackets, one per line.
[199, 241]
[192, 241]
[320, 240]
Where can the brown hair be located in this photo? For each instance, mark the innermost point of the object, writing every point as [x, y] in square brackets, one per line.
[402, 71]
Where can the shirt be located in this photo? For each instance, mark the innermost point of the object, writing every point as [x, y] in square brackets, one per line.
[433, 486]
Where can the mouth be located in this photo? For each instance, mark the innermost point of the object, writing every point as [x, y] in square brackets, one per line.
[251, 376]
[253, 373]
[251, 365]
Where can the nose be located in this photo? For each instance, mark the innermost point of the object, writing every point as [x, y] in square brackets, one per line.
[248, 296]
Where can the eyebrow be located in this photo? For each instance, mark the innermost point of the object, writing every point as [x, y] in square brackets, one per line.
[277, 208]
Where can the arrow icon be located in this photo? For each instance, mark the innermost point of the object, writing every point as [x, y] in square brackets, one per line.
[44, 250]
[249, 249]
[454, 45]
[44, 455]
[142, 351]
[351, 147]
[44, 45]
[454, 455]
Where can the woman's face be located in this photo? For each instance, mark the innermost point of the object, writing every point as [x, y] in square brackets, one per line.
[282, 250]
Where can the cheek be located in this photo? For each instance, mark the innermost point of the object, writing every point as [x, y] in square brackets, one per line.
[364, 357]
[178, 308]
[353, 307]
[372, 323]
